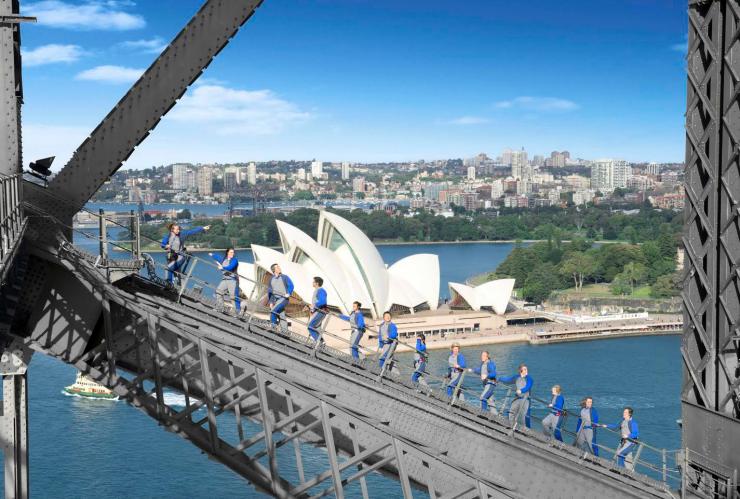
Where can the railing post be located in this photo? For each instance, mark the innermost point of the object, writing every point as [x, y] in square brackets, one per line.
[103, 227]
[665, 468]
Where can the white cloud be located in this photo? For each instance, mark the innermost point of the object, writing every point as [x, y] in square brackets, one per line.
[238, 112]
[468, 120]
[153, 46]
[543, 104]
[91, 15]
[111, 74]
[52, 53]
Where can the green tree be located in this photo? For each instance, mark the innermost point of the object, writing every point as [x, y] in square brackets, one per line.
[634, 273]
[541, 282]
[666, 286]
[184, 214]
[304, 196]
[578, 266]
[620, 285]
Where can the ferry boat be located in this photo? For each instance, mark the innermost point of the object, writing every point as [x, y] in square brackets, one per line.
[85, 387]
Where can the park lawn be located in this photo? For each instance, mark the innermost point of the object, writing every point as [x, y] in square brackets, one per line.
[601, 290]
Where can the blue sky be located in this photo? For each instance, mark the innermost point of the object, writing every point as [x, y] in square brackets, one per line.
[372, 80]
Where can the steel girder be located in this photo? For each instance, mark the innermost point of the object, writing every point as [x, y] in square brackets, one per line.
[711, 295]
[11, 89]
[211, 359]
[148, 100]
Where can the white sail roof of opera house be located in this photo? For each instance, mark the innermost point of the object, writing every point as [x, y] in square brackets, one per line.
[351, 267]
[493, 294]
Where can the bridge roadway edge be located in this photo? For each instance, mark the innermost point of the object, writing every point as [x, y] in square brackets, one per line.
[402, 408]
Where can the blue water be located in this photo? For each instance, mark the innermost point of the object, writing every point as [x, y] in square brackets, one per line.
[88, 449]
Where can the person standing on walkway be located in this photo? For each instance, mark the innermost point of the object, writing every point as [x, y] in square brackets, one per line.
[629, 433]
[278, 295]
[174, 244]
[420, 360]
[551, 423]
[318, 309]
[387, 336]
[588, 420]
[455, 368]
[487, 373]
[357, 323]
[229, 284]
[519, 410]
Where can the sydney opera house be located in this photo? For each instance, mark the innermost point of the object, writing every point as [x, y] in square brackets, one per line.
[353, 270]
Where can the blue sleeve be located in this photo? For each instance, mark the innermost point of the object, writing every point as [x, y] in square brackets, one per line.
[360, 320]
[422, 347]
[233, 264]
[491, 369]
[165, 240]
[217, 258]
[269, 289]
[559, 403]
[528, 386]
[578, 424]
[594, 416]
[320, 298]
[392, 332]
[344, 317]
[634, 430]
[288, 284]
[193, 231]
[508, 379]
[476, 370]
[461, 361]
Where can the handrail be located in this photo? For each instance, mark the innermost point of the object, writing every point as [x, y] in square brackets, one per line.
[11, 216]
[459, 399]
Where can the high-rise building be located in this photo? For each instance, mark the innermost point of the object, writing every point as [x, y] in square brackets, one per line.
[538, 160]
[345, 170]
[301, 174]
[471, 173]
[520, 168]
[506, 156]
[205, 181]
[231, 179]
[191, 183]
[252, 173]
[653, 169]
[432, 190]
[358, 184]
[497, 189]
[609, 174]
[317, 169]
[180, 177]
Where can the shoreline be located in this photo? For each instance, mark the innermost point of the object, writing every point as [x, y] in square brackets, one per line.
[406, 243]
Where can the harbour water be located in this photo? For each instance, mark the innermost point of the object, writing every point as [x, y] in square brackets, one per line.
[90, 448]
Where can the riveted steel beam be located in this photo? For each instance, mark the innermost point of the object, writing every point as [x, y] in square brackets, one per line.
[148, 100]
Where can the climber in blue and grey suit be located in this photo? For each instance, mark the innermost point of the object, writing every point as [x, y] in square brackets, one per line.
[420, 359]
[357, 323]
[229, 284]
[387, 335]
[552, 422]
[278, 295]
[174, 243]
[630, 433]
[588, 420]
[519, 409]
[318, 308]
[455, 368]
[487, 373]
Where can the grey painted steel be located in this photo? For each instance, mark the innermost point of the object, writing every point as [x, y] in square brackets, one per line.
[281, 383]
[711, 294]
[14, 418]
[150, 98]
[11, 90]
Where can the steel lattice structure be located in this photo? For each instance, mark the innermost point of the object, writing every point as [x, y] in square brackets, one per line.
[711, 342]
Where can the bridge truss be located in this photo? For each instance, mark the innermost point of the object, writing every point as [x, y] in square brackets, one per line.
[134, 338]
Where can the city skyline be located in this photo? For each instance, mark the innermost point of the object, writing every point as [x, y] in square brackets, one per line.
[378, 82]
